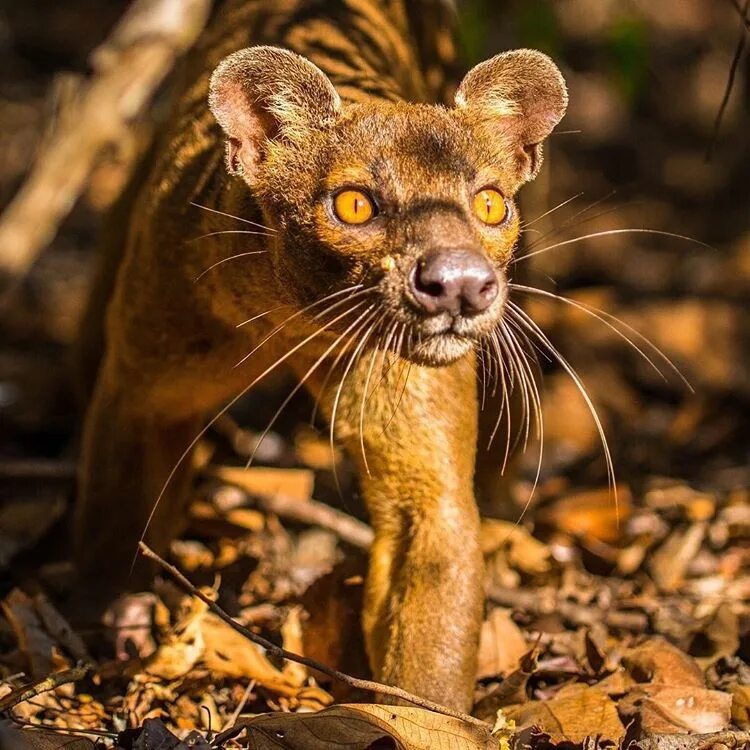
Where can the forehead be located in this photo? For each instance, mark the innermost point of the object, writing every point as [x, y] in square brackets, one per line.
[406, 146]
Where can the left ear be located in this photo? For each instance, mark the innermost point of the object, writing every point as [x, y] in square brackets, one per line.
[525, 93]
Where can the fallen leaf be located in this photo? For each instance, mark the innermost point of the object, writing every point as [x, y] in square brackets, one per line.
[659, 661]
[182, 647]
[591, 514]
[269, 482]
[229, 654]
[673, 710]
[512, 690]
[524, 552]
[361, 726]
[741, 705]
[670, 562]
[36, 644]
[291, 634]
[501, 645]
[576, 712]
[13, 738]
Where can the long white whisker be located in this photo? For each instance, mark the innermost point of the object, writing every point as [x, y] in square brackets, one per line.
[609, 233]
[504, 365]
[532, 327]
[536, 398]
[230, 231]
[226, 260]
[363, 400]
[232, 216]
[332, 432]
[303, 380]
[528, 224]
[604, 317]
[263, 314]
[278, 328]
[571, 220]
[226, 408]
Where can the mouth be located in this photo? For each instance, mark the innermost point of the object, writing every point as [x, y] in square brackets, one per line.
[438, 349]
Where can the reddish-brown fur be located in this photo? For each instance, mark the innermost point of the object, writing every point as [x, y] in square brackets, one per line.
[295, 135]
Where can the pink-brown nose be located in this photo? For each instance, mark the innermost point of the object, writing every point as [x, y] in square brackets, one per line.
[454, 281]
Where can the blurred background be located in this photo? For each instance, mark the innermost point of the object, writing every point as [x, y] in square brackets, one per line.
[638, 149]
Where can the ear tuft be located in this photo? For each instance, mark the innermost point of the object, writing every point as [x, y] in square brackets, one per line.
[525, 91]
[263, 93]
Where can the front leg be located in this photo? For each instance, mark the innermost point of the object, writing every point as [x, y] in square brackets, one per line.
[424, 593]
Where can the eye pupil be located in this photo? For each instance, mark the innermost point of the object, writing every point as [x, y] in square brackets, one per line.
[490, 207]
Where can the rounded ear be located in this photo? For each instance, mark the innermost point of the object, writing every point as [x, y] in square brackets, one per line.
[263, 93]
[525, 92]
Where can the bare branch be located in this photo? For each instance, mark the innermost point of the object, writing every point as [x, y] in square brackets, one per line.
[42, 686]
[129, 67]
[741, 42]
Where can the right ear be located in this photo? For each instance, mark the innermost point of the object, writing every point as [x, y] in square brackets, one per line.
[260, 94]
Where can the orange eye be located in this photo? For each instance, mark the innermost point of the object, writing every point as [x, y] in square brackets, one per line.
[490, 207]
[353, 207]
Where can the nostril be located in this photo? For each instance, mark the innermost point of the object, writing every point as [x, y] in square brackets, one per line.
[432, 288]
[490, 287]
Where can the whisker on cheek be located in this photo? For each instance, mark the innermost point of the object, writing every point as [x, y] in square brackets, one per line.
[226, 260]
[232, 216]
[609, 320]
[523, 319]
[309, 372]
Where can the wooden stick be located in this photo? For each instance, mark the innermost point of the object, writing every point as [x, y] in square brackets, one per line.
[274, 650]
[42, 686]
[129, 67]
[315, 513]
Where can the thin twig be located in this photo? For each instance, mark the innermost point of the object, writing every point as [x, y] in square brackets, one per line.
[314, 513]
[38, 468]
[281, 653]
[741, 42]
[43, 686]
[745, 20]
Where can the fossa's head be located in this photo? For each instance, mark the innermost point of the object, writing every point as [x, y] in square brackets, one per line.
[413, 201]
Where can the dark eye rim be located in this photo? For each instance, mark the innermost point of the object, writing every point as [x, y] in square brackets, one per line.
[508, 206]
[359, 189]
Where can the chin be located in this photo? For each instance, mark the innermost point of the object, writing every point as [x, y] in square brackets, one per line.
[440, 350]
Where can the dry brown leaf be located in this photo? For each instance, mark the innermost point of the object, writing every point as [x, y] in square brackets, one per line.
[658, 661]
[670, 562]
[36, 644]
[269, 482]
[59, 628]
[182, 648]
[13, 738]
[524, 552]
[291, 633]
[360, 726]
[592, 513]
[511, 691]
[501, 645]
[741, 705]
[575, 713]
[673, 710]
[229, 654]
[314, 450]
